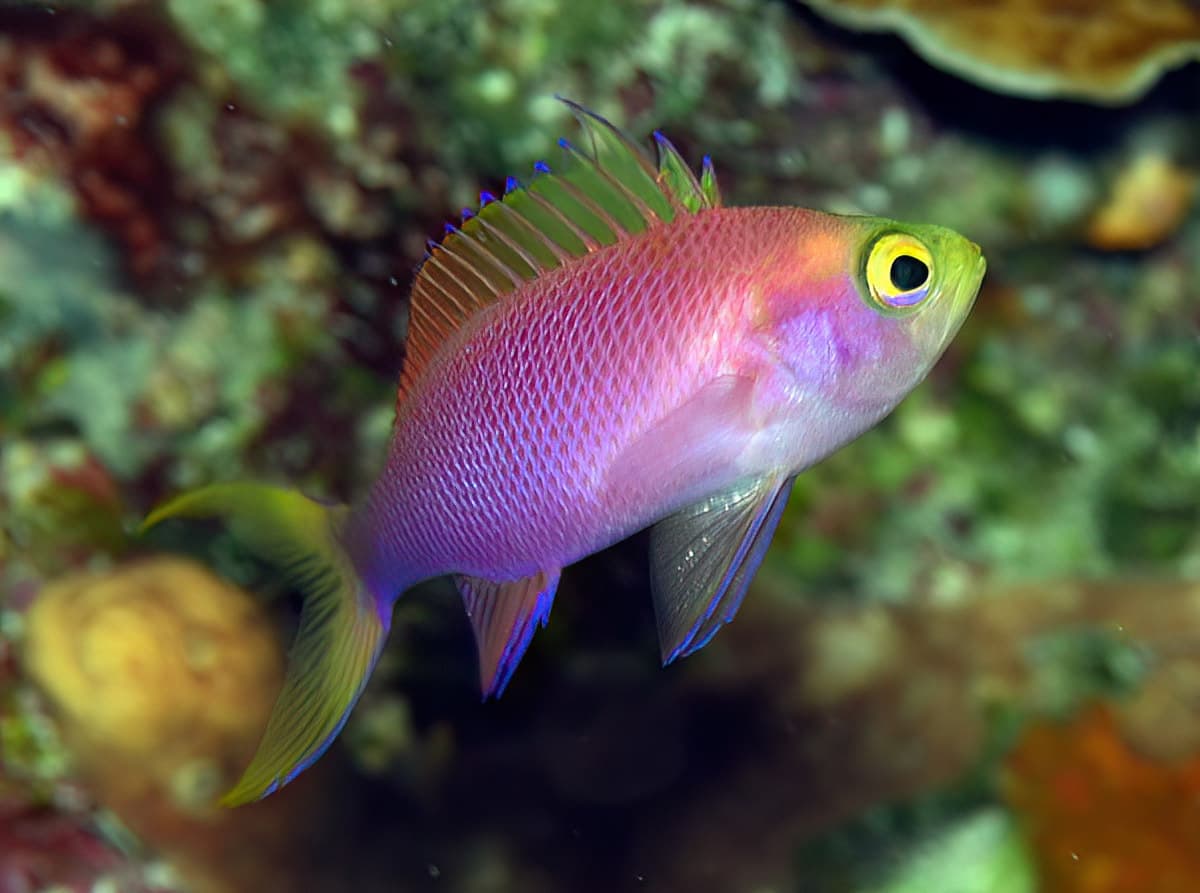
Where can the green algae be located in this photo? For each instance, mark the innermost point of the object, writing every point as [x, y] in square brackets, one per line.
[484, 78]
[292, 58]
[981, 853]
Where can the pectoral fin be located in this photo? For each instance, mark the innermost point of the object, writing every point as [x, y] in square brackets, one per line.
[702, 433]
[504, 617]
[703, 557]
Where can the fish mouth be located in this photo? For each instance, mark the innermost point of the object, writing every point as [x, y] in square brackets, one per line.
[964, 289]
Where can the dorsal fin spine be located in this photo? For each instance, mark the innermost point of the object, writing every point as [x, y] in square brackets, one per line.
[433, 282]
[610, 189]
[415, 355]
[677, 179]
[644, 210]
[439, 313]
[590, 244]
[467, 272]
[622, 191]
[559, 252]
[444, 314]
[512, 244]
[593, 123]
[619, 230]
[616, 229]
[452, 296]
[483, 255]
[631, 166]
[479, 263]
[708, 182]
[437, 260]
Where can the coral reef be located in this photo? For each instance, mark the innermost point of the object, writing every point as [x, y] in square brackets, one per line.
[1117, 50]
[154, 665]
[159, 678]
[209, 216]
[42, 850]
[1150, 198]
[79, 95]
[882, 727]
[1103, 818]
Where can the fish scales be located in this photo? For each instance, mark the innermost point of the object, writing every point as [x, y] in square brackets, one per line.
[500, 454]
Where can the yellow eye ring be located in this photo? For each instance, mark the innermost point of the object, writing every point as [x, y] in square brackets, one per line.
[899, 271]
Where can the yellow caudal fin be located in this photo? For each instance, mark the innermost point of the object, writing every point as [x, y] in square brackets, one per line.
[341, 627]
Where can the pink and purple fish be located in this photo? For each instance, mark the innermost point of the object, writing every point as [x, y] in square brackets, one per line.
[604, 349]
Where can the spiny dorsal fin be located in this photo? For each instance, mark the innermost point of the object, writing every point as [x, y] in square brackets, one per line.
[605, 190]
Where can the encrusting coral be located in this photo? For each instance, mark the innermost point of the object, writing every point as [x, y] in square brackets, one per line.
[78, 99]
[1151, 197]
[1101, 817]
[1110, 52]
[154, 665]
[161, 677]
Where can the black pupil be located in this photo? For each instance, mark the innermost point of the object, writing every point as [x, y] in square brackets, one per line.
[908, 272]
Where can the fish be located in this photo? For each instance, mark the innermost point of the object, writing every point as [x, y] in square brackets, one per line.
[604, 348]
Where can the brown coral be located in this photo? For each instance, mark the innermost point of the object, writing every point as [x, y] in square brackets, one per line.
[1094, 50]
[75, 95]
[1103, 818]
[58, 505]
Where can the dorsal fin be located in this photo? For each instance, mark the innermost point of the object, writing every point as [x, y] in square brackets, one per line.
[605, 189]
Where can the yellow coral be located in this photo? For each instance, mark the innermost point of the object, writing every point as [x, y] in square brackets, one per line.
[1106, 51]
[1150, 198]
[155, 669]
[162, 677]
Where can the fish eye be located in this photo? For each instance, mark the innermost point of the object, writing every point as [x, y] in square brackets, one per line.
[899, 271]
[909, 272]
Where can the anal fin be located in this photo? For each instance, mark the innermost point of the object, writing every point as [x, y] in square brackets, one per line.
[703, 557]
[504, 617]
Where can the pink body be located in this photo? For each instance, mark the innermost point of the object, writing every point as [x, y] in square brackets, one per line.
[605, 349]
[604, 395]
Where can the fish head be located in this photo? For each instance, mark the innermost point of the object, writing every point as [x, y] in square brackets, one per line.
[858, 311]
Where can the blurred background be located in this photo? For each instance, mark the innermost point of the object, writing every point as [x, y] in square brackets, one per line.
[971, 661]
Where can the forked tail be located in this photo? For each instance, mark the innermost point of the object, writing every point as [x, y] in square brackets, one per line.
[342, 628]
